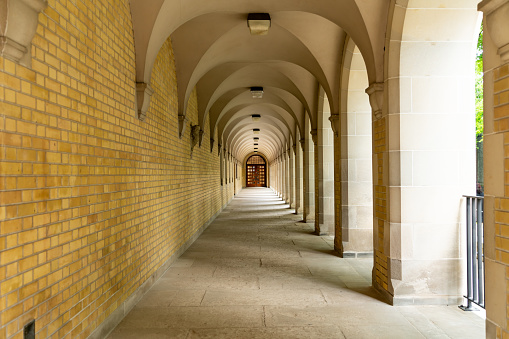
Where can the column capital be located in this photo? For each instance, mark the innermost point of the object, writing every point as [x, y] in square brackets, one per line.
[496, 13]
[302, 144]
[143, 94]
[294, 147]
[376, 98]
[335, 122]
[211, 144]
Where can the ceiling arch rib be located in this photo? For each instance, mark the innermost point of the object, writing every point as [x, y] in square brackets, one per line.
[237, 45]
[247, 148]
[274, 123]
[266, 119]
[268, 133]
[324, 39]
[265, 129]
[215, 54]
[268, 144]
[210, 88]
[271, 105]
[155, 22]
[269, 117]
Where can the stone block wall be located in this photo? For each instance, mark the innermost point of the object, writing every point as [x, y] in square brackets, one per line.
[93, 201]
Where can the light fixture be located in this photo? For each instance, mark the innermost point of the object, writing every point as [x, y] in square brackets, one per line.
[258, 23]
[256, 130]
[256, 151]
[256, 144]
[256, 139]
[257, 92]
[256, 117]
[256, 148]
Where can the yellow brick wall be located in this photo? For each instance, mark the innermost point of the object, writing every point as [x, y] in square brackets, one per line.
[93, 201]
[501, 205]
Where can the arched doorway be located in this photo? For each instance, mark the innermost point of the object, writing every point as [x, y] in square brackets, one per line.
[256, 171]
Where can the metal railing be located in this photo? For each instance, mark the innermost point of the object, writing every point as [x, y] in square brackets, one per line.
[475, 252]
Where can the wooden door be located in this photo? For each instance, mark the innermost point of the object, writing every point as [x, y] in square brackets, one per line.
[256, 172]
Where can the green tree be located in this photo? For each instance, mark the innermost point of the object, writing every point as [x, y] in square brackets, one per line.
[479, 88]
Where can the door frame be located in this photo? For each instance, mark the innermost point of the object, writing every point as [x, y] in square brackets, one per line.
[264, 172]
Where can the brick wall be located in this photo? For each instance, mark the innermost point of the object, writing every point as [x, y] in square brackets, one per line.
[500, 207]
[93, 201]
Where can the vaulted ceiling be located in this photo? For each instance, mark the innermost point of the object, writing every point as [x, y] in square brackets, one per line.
[301, 54]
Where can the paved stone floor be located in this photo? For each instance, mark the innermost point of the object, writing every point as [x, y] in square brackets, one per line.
[257, 272]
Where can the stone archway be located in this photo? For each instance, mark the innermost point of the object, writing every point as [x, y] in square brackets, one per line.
[256, 171]
[423, 152]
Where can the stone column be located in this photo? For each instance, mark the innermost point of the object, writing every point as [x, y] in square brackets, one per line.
[338, 217]
[309, 178]
[324, 173]
[496, 165]
[288, 178]
[221, 160]
[298, 177]
[356, 153]
[293, 198]
[423, 156]
[284, 176]
[276, 175]
[281, 193]
[280, 177]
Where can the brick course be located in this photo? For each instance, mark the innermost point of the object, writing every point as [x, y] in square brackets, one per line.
[92, 200]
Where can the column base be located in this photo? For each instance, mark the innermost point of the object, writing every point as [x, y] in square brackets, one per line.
[357, 255]
[407, 300]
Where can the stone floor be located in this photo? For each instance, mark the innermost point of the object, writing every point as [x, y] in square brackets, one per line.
[257, 272]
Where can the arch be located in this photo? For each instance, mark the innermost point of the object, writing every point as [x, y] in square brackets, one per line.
[355, 235]
[427, 87]
[224, 41]
[256, 171]
[153, 24]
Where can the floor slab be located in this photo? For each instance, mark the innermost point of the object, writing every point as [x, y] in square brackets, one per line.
[258, 272]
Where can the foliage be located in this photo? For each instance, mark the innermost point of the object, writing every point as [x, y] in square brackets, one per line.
[479, 88]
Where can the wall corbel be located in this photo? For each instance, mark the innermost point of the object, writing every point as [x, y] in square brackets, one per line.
[335, 124]
[143, 94]
[376, 99]
[182, 125]
[18, 23]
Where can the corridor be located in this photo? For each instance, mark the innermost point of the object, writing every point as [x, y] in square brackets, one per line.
[258, 272]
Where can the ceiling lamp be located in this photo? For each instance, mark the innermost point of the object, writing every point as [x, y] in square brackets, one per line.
[256, 130]
[256, 148]
[256, 144]
[258, 23]
[256, 117]
[257, 92]
[256, 151]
